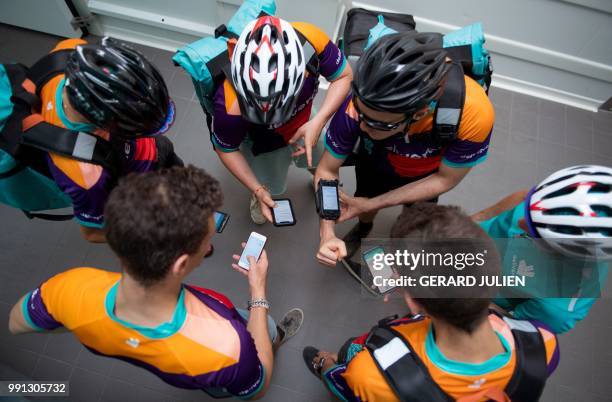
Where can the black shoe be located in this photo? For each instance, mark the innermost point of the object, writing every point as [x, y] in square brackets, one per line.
[309, 354]
[352, 239]
[289, 325]
[354, 269]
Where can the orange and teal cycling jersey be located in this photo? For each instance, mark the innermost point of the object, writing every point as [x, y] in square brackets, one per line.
[417, 154]
[205, 346]
[88, 185]
[230, 129]
[360, 380]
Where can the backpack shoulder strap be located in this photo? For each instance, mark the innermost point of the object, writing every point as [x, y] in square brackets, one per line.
[463, 55]
[447, 115]
[530, 374]
[48, 67]
[402, 368]
[75, 145]
[28, 129]
[23, 102]
[23, 92]
[312, 65]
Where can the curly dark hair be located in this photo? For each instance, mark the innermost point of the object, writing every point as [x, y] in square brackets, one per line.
[153, 218]
[427, 222]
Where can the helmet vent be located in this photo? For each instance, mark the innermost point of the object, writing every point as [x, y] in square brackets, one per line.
[285, 86]
[255, 63]
[273, 63]
[257, 37]
[601, 188]
[255, 86]
[602, 211]
[561, 211]
[576, 249]
[559, 193]
[565, 229]
[556, 181]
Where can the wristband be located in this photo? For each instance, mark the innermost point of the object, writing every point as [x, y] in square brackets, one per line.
[259, 188]
[258, 303]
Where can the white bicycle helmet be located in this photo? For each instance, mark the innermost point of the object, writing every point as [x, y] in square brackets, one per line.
[572, 211]
[268, 69]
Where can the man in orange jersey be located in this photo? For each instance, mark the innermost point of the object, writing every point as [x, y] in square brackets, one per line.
[410, 144]
[101, 93]
[262, 115]
[447, 348]
[188, 336]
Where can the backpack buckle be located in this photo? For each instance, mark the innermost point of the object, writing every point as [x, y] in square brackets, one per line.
[445, 133]
[385, 321]
[220, 30]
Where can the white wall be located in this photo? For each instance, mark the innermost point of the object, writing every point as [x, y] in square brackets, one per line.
[50, 16]
[555, 49]
[169, 25]
[561, 50]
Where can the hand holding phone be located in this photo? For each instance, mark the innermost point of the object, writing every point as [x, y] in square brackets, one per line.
[254, 246]
[283, 213]
[257, 270]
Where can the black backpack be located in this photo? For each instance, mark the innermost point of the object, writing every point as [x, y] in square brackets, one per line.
[25, 137]
[447, 115]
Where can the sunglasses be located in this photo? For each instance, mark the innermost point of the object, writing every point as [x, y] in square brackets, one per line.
[377, 124]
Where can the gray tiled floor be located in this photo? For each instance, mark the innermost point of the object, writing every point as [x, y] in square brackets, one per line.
[532, 138]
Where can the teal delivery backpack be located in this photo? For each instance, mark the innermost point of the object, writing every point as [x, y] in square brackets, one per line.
[207, 60]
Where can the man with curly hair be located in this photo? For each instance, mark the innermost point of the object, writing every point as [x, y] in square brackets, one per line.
[159, 225]
[450, 346]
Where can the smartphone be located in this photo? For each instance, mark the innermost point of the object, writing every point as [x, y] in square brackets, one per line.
[221, 219]
[329, 201]
[381, 269]
[254, 247]
[282, 214]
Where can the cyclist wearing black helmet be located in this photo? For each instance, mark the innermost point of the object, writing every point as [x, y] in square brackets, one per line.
[109, 90]
[395, 92]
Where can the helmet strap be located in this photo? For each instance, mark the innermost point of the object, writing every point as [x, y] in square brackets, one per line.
[528, 220]
[231, 45]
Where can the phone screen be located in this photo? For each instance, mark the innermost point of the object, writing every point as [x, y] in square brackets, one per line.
[381, 269]
[282, 213]
[220, 221]
[254, 247]
[330, 198]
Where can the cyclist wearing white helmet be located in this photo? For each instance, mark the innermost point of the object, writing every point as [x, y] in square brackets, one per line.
[266, 106]
[571, 212]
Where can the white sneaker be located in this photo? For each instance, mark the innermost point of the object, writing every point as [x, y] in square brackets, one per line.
[256, 216]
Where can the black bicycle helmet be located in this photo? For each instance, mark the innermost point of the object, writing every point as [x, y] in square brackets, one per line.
[401, 72]
[118, 89]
